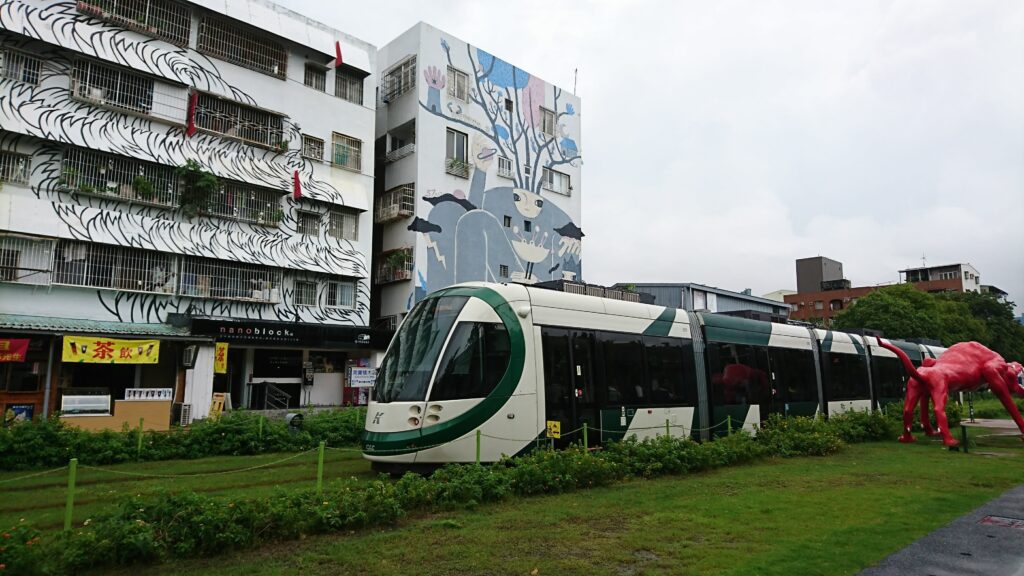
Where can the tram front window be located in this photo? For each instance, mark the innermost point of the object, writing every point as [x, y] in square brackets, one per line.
[475, 360]
[406, 370]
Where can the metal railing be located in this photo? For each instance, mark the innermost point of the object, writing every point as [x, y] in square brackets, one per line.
[396, 203]
[347, 153]
[205, 278]
[242, 45]
[236, 120]
[456, 167]
[116, 267]
[246, 203]
[275, 398]
[395, 266]
[25, 260]
[399, 80]
[15, 167]
[20, 67]
[96, 173]
[348, 87]
[164, 19]
[123, 90]
[399, 153]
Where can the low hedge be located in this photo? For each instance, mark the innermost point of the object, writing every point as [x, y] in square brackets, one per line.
[179, 525]
[49, 443]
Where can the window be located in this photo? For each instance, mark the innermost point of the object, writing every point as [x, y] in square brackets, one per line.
[547, 122]
[739, 376]
[25, 260]
[162, 19]
[457, 84]
[794, 376]
[507, 221]
[504, 167]
[399, 202]
[305, 293]
[242, 45]
[623, 359]
[671, 375]
[87, 172]
[312, 148]
[20, 67]
[316, 77]
[348, 152]
[889, 378]
[556, 181]
[341, 294]
[206, 278]
[308, 223]
[247, 203]
[819, 305]
[235, 120]
[348, 86]
[527, 226]
[503, 270]
[103, 266]
[509, 107]
[25, 376]
[474, 361]
[344, 225]
[845, 377]
[109, 86]
[455, 163]
[15, 167]
[399, 80]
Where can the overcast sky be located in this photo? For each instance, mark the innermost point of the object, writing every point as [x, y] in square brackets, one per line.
[723, 140]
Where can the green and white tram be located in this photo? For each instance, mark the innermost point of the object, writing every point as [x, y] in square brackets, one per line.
[506, 359]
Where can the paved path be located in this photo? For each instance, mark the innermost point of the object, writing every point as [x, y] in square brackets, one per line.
[999, 423]
[988, 542]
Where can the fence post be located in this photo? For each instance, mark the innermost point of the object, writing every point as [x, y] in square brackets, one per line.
[586, 438]
[728, 424]
[69, 508]
[320, 469]
[963, 437]
[668, 431]
[138, 448]
[260, 432]
[478, 447]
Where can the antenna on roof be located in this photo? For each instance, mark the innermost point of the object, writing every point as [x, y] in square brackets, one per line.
[924, 263]
[575, 75]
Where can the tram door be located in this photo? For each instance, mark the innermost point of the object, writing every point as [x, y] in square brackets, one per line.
[569, 382]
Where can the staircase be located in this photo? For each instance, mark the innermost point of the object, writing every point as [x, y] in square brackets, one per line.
[275, 398]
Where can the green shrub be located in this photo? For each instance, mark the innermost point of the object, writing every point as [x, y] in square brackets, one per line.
[799, 436]
[864, 426]
[20, 550]
[954, 414]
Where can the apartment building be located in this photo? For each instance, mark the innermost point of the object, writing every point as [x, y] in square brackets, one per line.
[478, 173]
[185, 206]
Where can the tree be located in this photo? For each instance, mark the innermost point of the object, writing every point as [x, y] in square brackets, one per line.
[1002, 331]
[899, 311]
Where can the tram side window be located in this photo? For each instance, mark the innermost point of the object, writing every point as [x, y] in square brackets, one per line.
[794, 374]
[889, 377]
[557, 372]
[475, 360]
[847, 378]
[623, 359]
[670, 371]
[736, 377]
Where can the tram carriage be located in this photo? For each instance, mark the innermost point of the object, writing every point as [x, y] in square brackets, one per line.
[506, 359]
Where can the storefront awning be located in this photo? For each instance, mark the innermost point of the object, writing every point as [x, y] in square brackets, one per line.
[49, 325]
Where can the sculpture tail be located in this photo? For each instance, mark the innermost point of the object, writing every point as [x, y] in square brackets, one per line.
[907, 364]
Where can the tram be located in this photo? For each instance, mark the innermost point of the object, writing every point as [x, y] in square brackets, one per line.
[505, 360]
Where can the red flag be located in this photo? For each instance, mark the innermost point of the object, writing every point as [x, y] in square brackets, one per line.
[297, 186]
[193, 100]
[337, 50]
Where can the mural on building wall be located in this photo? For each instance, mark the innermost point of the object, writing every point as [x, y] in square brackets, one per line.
[42, 114]
[467, 234]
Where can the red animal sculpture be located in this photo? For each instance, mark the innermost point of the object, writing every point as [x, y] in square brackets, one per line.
[964, 366]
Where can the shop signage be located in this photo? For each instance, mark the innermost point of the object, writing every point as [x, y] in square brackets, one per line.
[290, 333]
[101, 350]
[13, 349]
[14, 413]
[361, 377]
[220, 358]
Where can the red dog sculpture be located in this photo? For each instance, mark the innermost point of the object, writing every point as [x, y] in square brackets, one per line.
[964, 366]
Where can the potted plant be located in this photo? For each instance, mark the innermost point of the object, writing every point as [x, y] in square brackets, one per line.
[143, 188]
[197, 185]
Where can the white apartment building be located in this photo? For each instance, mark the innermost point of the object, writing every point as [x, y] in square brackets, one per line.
[949, 277]
[185, 173]
[478, 176]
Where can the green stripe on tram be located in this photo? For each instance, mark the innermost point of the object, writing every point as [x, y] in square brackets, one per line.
[732, 330]
[662, 326]
[396, 443]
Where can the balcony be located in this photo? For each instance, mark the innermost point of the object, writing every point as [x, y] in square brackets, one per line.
[396, 204]
[395, 266]
[456, 167]
[399, 153]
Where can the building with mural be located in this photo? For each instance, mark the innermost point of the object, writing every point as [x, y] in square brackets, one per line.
[478, 172]
[180, 182]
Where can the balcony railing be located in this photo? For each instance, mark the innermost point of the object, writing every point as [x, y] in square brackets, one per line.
[399, 153]
[395, 266]
[396, 204]
[456, 167]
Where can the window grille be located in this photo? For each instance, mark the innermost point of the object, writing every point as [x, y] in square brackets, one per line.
[396, 203]
[246, 203]
[387, 323]
[90, 172]
[312, 147]
[348, 86]
[115, 267]
[25, 260]
[547, 122]
[503, 270]
[305, 293]
[505, 167]
[309, 223]
[507, 221]
[556, 181]
[457, 84]
[348, 152]
[316, 77]
[15, 167]
[111, 86]
[236, 120]
[340, 294]
[344, 225]
[205, 278]
[242, 45]
[398, 81]
[20, 67]
[163, 19]
[394, 266]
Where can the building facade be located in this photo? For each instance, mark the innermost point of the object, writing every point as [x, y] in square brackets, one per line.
[812, 272]
[951, 277]
[183, 176]
[478, 174]
[698, 297]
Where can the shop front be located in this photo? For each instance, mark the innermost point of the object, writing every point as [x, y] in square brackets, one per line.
[280, 365]
[24, 362]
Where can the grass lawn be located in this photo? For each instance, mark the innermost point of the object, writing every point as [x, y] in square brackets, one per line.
[41, 500]
[832, 515]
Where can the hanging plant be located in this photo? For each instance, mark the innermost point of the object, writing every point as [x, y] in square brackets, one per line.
[197, 186]
[143, 188]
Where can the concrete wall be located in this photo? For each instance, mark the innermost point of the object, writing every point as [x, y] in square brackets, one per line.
[155, 415]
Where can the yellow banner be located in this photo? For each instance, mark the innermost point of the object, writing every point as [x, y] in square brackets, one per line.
[220, 358]
[102, 350]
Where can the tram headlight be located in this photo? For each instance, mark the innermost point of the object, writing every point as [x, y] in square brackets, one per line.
[414, 421]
